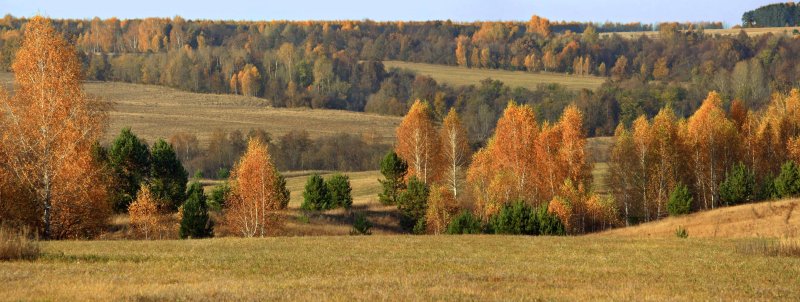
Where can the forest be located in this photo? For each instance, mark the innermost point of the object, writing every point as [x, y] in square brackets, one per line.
[337, 64]
[772, 15]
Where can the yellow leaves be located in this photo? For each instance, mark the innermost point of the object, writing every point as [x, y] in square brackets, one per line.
[455, 151]
[254, 201]
[49, 128]
[441, 209]
[144, 213]
[419, 144]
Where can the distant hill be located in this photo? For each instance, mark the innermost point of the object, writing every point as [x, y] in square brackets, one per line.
[764, 219]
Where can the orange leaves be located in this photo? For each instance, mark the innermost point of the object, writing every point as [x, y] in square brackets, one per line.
[525, 162]
[144, 213]
[441, 209]
[418, 143]
[255, 198]
[49, 128]
[455, 152]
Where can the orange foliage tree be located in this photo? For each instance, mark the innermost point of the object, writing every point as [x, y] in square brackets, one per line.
[144, 213]
[455, 152]
[256, 197]
[418, 143]
[48, 129]
[440, 210]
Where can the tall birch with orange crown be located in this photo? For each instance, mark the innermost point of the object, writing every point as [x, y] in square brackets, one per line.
[48, 128]
[418, 143]
[455, 152]
[255, 198]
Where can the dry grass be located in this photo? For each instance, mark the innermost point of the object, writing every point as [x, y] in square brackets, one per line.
[724, 32]
[156, 111]
[458, 76]
[784, 247]
[17, 245]
[772, 219]
[348, 268]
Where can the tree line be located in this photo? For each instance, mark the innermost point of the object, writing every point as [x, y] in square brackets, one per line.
[772, 15]
[531, 178]
[719, 157]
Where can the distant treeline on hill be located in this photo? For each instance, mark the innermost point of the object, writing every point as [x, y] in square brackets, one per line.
[773, 15]
[337, 64]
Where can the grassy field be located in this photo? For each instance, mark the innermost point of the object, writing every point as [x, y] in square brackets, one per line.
[156, 111]
[457, 76]
[765, 219]
[724, 32]
[401, 268]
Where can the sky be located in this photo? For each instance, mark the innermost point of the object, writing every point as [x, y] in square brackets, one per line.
[646, 11]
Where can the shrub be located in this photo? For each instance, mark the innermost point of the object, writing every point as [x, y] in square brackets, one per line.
[681, 232]
[787, 184]
[680, 201]
[195, 222]
[361, 225]
[465, 223]
[315, 196]
[17, 245]
[767, 189]
[413, 203]
[738, 187]
[339, 191]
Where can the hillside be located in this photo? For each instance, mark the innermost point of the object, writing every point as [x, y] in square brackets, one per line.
[157, 111]
[456, 76]
[354, 268]
[765, 219]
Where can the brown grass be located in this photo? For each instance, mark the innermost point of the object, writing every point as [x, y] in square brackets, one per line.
[156, 111]
[17, 245]
[724, 32]
[408, 268]
[771, 219]
[784, 247]
[458, 76]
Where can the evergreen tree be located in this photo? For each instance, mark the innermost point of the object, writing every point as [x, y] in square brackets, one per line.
[394, 170]
[168, 178]
[413, 203]
[129, 159]
[195, 222]
[738, 187]
[282, 191]
[680, 201]
[787, 184]
[339, 191]
[315, 196]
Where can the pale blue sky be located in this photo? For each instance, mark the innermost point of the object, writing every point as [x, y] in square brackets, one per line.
[647, 11]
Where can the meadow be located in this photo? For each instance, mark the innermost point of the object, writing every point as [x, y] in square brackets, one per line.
[402, 268]
[155, 112]
[460, 76]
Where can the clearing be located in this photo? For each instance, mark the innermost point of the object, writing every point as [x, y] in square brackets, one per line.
[156, 111]
[725, 32]
[459, 76]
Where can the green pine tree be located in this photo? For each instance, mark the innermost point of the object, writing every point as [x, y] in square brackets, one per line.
[129, 160]
[168, 178]
[340, 191]
[394, 170]
[315, 196]
[196, 222]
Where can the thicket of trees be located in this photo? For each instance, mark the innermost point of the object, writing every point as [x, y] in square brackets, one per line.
[720, 157]
[537, 164]
[772, 15]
